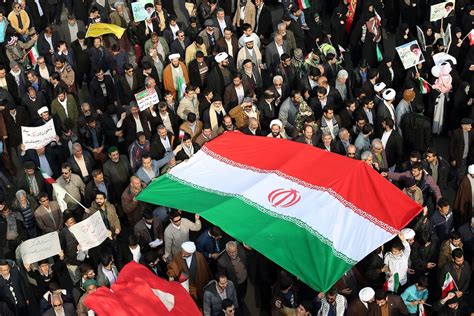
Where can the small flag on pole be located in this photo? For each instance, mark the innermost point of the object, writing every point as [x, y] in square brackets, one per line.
[33, 55]
[47, 178]
[181, 88]
[424, 87]
[60, 194]
[471, 37]
[421, 310]
[304, 4]
[448, 285]
[392, 283]
[58, 191]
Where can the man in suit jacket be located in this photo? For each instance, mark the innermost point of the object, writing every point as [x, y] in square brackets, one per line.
[81, 157]
[39, 18]
[179, 45]
[274, 50]
[30, 180]
[457, 147]
[64, 107]
[147, 234]
[130, 127]
[295, 28]
[263, 20]
[231, 97]
[328, 144]
[222, 21]
[68, 30]
[309, 137]
[44, 48]
[48, 215]
[208, 243]
[228, 39]
[234, 254]
[51, 152]
[192, 126]
[392, 143]
[396, 306]
[268, 111]
[162, 142]
[209, 34]
[11, 282]
[98, 183]
[14, 118]
[12, 87]
[83, 64]
[98, 99]
[146, 28]
[60, 307]
[128, 85]
[33, 101]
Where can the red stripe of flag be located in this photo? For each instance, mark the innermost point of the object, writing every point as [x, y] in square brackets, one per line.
[350, 179]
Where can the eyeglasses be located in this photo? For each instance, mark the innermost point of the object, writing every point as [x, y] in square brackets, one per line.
[57, 305]
[65, 172]
[278, 84]
[177, 220]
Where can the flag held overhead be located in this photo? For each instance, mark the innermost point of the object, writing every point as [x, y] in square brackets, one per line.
[314, 213]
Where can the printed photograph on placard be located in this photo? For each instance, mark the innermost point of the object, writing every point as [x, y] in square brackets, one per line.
[410, 54]
[442, 10]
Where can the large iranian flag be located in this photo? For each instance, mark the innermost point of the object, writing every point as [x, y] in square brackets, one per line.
[312, 212]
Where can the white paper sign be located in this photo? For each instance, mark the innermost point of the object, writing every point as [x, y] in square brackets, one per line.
[146, 98]
[138, 10]
[90, 232]
[36, 137]
[43, 247]
[410, 54]
[442, 10]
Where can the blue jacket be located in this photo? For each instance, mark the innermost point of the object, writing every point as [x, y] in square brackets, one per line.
[412, 294]
[207, 245]
[441, 225]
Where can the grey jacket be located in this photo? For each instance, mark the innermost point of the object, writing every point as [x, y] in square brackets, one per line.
[212, 304]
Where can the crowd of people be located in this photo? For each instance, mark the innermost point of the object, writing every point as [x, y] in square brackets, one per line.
[321, 73]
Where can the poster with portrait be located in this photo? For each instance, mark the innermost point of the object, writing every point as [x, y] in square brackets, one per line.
[442, 10]
[139, 12]
[410, 54]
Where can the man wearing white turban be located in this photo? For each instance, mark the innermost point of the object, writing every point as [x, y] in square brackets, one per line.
[190, 267]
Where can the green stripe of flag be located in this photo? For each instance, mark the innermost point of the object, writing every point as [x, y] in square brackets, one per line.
[297, 250]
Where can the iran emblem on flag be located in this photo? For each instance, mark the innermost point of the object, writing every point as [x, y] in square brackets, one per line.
[448, 285]
[392, 283]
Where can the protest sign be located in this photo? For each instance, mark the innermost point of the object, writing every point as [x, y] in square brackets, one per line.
[138, 10]
[90, 232]
[441, 10]
[36, 137]
[43, 247]
[146, 98]
[410, 54]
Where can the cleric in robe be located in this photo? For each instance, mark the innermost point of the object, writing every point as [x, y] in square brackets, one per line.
[175, 75]
[463, 207]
